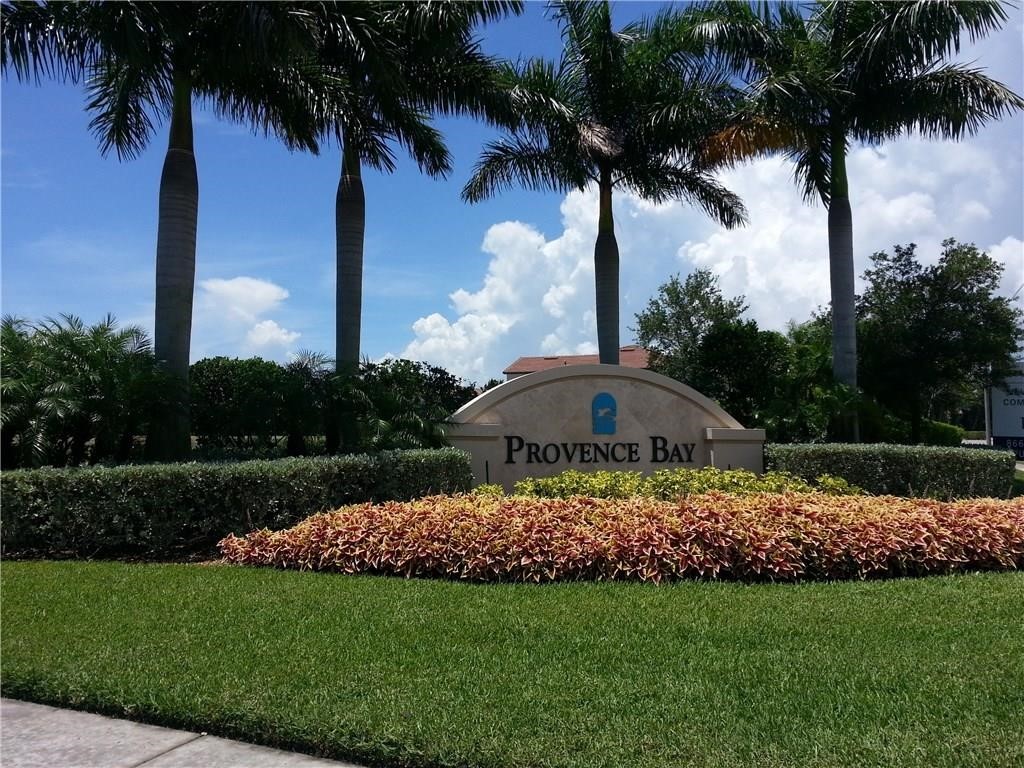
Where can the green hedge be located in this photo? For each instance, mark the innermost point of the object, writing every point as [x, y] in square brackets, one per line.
[670, 484]
[175, 510]
[901, 470]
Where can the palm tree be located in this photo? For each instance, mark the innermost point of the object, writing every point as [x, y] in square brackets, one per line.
[626, 109]
[380, 89]
[837, 72]
[145, 63]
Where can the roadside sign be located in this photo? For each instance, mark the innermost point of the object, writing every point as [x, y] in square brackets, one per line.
[1006, 415]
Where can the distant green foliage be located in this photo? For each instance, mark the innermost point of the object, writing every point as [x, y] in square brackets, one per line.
[901, 470]
[73, 393]
[171, 510]
[676, 321]
[782, 383]
[407, 402]
[940, 433]
[238, 404]
[488, 489]
[670, 484]
[932, 336]
[252, 408]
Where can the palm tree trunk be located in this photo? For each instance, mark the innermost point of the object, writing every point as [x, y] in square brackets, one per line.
[606, 277]
[350, 223]
[841, 276]
[170, 435]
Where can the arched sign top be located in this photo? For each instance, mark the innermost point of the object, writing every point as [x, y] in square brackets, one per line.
[472, 410]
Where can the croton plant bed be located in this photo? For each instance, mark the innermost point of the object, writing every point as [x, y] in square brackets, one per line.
[779, 537]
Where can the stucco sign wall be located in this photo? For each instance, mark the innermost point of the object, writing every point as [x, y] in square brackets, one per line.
[592, 417]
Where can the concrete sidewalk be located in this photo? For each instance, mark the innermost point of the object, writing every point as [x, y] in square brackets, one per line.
[36, 736]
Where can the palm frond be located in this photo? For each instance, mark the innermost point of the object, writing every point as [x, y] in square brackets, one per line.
[540, 97]
[749, 138]
[948, 101]
[50, 40]
[916, 32]
[813, 166]
[593, 54]
[661, 181]
[412, 129]
[517, 160]
[128, 103]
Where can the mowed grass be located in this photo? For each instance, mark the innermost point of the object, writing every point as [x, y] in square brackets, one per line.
[920, 672]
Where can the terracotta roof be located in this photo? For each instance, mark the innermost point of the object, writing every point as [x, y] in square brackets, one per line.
[630, 357]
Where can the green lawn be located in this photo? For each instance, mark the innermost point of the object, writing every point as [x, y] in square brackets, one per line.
[926, 672]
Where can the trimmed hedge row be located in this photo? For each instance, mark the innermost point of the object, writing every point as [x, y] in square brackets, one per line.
[783, 537]
[171, 510]
[670, 484]
[900, 470]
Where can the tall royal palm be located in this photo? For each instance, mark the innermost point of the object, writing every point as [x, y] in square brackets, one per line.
[622, 110]
[823, 76]
[380, 90]
[145, 63]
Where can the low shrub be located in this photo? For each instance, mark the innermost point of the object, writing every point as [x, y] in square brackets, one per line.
[900, 470]
[941, 433]
[760, 537]
[488, 489]
[669, 484]
[171, 510]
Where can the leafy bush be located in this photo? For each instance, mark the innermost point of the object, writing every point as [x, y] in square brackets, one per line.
[238, 404]
[489, 489]
[254, 408]
[74, 393]
[901, 470]
[941, 433]
[172, 510]
[759, 537]
[669, 484]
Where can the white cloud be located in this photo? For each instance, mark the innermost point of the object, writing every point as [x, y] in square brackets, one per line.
[230, 319]
[1010, 253]
[244, 298]
[531, 284]
[267, 333]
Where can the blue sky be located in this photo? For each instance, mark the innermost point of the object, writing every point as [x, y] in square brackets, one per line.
[467, 287]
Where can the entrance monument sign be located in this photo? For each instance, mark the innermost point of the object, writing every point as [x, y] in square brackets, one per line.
[592, 417]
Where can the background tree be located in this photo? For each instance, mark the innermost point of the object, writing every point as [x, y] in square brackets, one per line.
[238, 406]
[698, 337]
[744, 368]
[146, 62]
[627, 110]
[678, 318]
[836, 72]
[307, 397]
[935, 335]
[810, 402]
